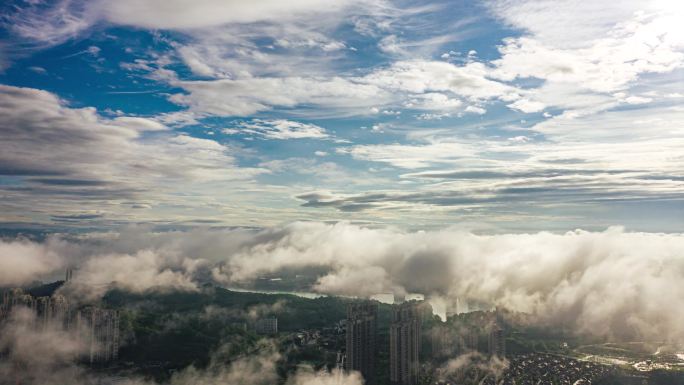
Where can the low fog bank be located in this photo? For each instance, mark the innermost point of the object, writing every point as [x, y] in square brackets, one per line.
[613, 284]
[50, 356]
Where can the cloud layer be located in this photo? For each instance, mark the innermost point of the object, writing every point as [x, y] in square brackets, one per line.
[492, 112]
[89, 164]
[612, 283]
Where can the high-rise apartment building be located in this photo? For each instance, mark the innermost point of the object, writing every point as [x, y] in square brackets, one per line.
[362, 319]
[61, 312]
[100, 329]
[469, 339]
[442, 341]
[17, 298]
[497, 342]
[405, 341]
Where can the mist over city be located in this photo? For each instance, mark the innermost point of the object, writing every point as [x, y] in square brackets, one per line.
[377, 192]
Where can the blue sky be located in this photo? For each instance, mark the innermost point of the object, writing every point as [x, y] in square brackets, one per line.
[502, 115]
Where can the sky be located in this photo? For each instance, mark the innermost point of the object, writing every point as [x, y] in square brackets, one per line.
[493, 116]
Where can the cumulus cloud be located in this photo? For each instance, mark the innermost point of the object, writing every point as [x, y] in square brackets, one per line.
[612, 283]
[607, 49]
[82, 142]
[603, 283]
[221, 38]
[577, 277]
[605, 52]
[414, 84]
[144, 271]
[568, 25]
[420, 76]
[576, 71]
[243, 97]
[365, 279]
[96, 159]
[23, 261]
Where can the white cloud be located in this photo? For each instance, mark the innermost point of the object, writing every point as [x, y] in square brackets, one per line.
[38, 70]
[411, 156]
[567, 160]
[40, 355]
[390, 44]
[603, 283]
[278, 129]
[138, 273]
[175, 14]
[579, 73]
[476, 110]
[418, 77]
[421, 85]
[22, 261]
[569, 277]
[587, 50]
[52, 25]
[633, 128]
[569, 25]
[433, 101]
[84, 144]
[95, 159]
[141, 124]
[367, 279]
[243, 97]
[527, 106]
[598, 72]
[637, 100]
[323, 44]
[236, 50]
[67, 19]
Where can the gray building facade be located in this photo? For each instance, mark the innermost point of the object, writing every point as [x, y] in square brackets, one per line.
[361, 339]
[405, 343]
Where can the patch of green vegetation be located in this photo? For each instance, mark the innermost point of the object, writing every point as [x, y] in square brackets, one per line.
[166, 332]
